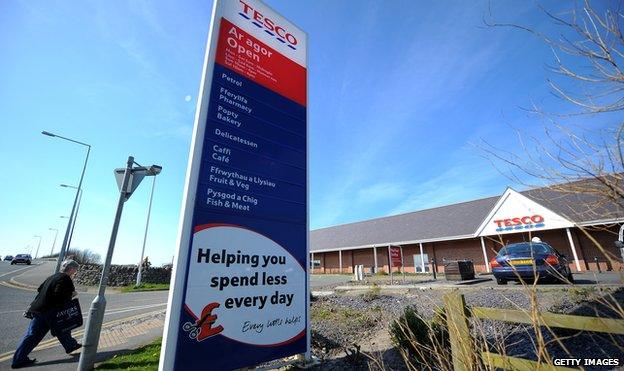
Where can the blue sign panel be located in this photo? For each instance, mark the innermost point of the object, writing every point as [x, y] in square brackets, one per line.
[242, 266]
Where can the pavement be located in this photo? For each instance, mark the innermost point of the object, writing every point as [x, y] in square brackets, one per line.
[131, 320]
[136, 319]
[581, 280]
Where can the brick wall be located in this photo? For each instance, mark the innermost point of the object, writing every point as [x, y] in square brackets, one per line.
[470, 249]
[364, 257]
[605, 236]
[319, 256]
[332, 262]
[347, 262]
[408, 257]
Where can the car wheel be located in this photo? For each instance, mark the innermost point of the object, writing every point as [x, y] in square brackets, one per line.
[501, 281]
[27, 263]
[12, 263]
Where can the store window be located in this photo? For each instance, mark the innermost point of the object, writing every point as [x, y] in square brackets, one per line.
[418, 259]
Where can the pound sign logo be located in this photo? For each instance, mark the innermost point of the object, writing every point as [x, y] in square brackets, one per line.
[202, 328]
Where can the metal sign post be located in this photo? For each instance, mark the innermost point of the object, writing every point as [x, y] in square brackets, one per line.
[96, 312]
[390, 264]
[149, 211]
[91, 337]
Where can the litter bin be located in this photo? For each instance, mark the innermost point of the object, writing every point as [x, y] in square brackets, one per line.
[459, 270]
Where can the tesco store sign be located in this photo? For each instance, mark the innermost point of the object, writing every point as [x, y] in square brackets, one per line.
[269, 26]
[520, 223]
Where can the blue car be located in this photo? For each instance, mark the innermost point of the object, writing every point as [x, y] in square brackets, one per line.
[22, 259]
[528, 261]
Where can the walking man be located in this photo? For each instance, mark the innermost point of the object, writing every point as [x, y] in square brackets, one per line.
[52, 294]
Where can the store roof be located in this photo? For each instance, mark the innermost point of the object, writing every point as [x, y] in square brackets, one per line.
[461, 220]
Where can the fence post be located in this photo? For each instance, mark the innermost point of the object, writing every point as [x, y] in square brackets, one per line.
[459, 333]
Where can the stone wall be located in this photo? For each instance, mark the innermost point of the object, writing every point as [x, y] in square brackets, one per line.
[120, 275]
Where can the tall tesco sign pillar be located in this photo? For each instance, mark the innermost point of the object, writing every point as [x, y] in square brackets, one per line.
[240, 283]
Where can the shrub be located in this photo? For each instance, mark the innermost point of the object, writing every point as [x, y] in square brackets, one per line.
[418, 339]
[85, 256]
[372, 293]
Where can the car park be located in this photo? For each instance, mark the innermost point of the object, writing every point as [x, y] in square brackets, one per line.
[22, 259]
[8, 258]
[528, 261]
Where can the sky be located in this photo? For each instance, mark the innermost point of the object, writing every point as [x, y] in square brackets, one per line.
[400, 95]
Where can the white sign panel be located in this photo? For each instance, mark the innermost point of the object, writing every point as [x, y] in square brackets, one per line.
[516, 213]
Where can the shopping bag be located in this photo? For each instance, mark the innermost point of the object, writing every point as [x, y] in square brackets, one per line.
[65, 318]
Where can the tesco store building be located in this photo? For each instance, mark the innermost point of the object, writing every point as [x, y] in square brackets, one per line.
[574, 224]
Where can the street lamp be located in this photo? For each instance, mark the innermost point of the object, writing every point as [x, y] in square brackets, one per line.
[53, 243]
[71, 234]
[38, 245]
[128, 182]
[149, 211]
[63, 217]
[73, 212]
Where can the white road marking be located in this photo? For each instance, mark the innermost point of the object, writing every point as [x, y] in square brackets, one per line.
[17, 270]
[128, 309]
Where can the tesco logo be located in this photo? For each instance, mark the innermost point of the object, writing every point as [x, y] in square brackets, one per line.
[524, 222]
[268, 25]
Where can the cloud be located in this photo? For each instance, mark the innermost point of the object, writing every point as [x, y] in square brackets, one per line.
[457, 184]
[380, 192]
[142, 39]
[179, 131]
[435, 63]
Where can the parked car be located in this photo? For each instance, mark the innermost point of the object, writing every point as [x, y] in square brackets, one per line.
[8, 258]
[528, 261]
[22, 259]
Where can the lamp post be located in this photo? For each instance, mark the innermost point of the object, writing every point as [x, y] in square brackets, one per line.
[149, 210]
[73, 212]
[53, 243]
[127, 182]
[64, 217]
[38, 245]
[73, 226]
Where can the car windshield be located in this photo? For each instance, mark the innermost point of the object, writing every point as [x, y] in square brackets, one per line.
[525, 249]
[22, 256]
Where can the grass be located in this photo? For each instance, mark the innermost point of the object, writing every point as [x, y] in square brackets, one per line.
[146, 287]
[372, 293]
[321, 313]
[144, 358]
[347, 316]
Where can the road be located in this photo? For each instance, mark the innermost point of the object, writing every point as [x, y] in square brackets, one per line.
[13, 302]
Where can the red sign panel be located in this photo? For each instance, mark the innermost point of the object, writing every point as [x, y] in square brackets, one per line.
[395, 257]
[255, 60]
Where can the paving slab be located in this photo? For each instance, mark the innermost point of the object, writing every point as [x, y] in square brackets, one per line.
[117, 337]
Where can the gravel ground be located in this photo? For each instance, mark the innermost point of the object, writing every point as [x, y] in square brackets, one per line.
[344, 324]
